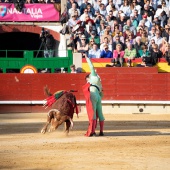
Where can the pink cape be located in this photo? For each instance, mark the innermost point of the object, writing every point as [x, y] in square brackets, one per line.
[89, 107]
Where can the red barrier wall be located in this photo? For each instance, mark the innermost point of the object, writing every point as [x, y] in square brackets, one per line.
[129, 85]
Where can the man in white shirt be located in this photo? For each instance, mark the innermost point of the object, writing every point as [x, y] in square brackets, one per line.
[94, 52]
[158, 38]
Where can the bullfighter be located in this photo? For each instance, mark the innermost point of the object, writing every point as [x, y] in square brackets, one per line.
[93, 93]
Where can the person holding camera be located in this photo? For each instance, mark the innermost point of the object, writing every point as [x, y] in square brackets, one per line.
[48, 43]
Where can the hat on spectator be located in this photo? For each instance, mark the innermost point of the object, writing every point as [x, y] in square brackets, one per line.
[83, 37]
[127, 27]
[144, 16]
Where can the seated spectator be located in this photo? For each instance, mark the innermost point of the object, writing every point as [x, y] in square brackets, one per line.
[146, 22]
[130, 26]
[91, 42]
[167, 53]
[156, 54]
[144, 52]
[151, 33]
[127, 32]
[83, 17]
[165, 8]
[72, 9]
[72, 22]
[165, 32]
[117, 41]
[82, 45]
[138, 45]
[121, 20]
[158, 38]
[101, 28]
[108, 20]
[106, 42]
[136, 15]
[106, 34]
[130, 54]
[95, 37]
[73, 69]
[106, 53]
[131, 38]
[94, 52]
[90, 9]
[102, 9]
[125, 7]
[118, 55]
[83, 6]
[163, 45]
[144, 38]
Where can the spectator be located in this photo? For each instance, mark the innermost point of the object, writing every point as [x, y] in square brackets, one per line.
[163, 45]
[144, 52]
[72, 22]
[84, 16]
[102, 9]
[144, 38]
[118, 55]
[70, 2]
[91, 42]
[158, 38]
[125, 7]
[73, 8]
[106, 34]
[106, 53]
[165, 33]
[73, 69]
[151, 33]
[90, 9]
[95, 37]
[167, 53]
[136, 15]
[106, 42]
[166, 9]
[117, 41]
[84, 6]
[82, 45]
[94, 52]
[130, 54]
[151, 45]
[130, 26]
[138, 46]
[156, 54]
[147, 23]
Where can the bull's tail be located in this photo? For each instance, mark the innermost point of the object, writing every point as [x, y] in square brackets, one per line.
[47, 91]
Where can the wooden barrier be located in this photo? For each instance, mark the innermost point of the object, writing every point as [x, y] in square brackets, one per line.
[129, 85]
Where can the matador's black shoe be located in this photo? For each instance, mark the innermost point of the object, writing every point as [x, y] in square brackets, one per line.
[101, 134]
[93, 134]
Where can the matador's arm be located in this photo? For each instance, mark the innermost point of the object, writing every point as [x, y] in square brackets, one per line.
[92, 70]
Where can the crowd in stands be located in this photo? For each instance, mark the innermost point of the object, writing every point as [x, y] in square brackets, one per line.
[120, 29]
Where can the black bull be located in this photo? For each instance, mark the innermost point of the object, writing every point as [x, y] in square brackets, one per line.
[62, 110]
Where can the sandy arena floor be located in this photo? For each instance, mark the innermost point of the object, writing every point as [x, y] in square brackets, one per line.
[131, 142]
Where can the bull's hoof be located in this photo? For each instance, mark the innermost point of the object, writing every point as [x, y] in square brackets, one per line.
[51, 129]
[43, 131]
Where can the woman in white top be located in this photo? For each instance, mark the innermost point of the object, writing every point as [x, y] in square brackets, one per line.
[126, 8]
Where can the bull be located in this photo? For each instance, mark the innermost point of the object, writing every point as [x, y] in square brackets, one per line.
[63, 105]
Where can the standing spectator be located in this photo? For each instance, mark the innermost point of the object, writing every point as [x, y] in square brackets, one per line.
[94, 52]
[130, 54]
[118, 55]
[106, 53]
